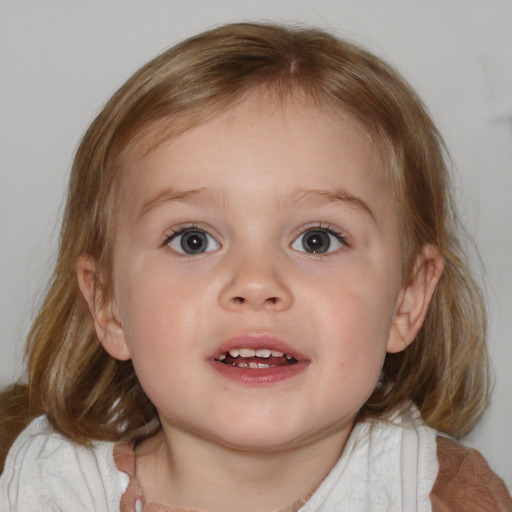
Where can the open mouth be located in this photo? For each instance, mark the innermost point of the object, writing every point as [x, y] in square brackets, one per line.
[255, 358]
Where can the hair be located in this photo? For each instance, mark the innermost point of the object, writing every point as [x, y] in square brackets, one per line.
[89, 395]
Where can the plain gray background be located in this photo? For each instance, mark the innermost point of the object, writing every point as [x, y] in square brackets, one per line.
[61, 60]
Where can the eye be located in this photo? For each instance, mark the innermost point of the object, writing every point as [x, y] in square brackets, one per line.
[192, 241]
[319, 241]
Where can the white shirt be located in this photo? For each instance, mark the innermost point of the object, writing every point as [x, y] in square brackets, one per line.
[45, 472]
[385, 467]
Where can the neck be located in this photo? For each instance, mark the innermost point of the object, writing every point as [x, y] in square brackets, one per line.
[178, 469]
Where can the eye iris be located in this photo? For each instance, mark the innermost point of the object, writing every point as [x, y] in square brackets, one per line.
[194, 242]
[316, 242]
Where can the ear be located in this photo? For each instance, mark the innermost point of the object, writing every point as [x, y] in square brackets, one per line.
[414, 299]
[104, 313]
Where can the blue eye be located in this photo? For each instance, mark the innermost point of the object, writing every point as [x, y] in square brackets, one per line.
[192, 241]
[319, 241]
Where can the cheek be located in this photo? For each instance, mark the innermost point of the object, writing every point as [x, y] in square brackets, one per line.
[354, 326]
[161, 331]
[358, 309]
[155, 312]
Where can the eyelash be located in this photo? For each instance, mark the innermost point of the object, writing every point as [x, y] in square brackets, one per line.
[203, 235]
[327, 228]
[177, 231]
[340, 236]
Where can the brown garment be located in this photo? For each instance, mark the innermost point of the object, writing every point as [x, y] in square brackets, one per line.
[465, 483]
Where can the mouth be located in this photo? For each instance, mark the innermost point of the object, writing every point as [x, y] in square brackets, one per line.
[258, 360]
[254, 359]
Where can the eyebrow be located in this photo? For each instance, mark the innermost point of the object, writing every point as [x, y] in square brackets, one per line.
[322, 196]
[314, 196]
[169, 195]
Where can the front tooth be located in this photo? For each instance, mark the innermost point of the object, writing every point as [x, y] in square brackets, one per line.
[242, 365]
[253, 365]
[263, 365]
[234, 352]
[277, 353]
[263, 352]
[247, 352]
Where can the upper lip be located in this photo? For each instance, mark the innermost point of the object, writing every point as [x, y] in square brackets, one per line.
[255, 341]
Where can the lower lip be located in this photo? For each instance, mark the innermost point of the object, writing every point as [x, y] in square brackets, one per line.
[259, 376]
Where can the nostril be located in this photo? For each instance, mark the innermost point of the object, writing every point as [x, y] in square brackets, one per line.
[269, 301]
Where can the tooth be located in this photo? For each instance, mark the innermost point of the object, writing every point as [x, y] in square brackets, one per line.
[263, 352]
[242, 365]
[263, 365]
[222, 357]
[277, 353]
[288, 357]
[247, 352]
[234, 352]
[253, 365]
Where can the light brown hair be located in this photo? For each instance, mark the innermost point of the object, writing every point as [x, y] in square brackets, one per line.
[87, 394]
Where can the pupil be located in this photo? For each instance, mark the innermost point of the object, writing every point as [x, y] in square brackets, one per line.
[193, 242]
[316, 242]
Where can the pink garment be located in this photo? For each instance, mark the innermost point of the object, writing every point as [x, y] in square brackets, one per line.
[465, 483]
[124, 457]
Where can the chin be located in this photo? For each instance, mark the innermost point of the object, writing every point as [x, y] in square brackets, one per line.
[258, 437]
[263, 444]
[274, 437]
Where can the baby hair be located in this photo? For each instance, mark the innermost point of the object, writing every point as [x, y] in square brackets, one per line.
[89, 395]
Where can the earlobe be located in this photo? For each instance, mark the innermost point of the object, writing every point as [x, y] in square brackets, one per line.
[106, 319]
[414, 299]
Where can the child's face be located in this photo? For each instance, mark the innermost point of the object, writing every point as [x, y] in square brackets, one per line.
[267, 229]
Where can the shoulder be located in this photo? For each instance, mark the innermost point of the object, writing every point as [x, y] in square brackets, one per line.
[465, 482]
[45, 471]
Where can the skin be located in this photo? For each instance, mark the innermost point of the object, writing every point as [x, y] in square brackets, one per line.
[256, 174]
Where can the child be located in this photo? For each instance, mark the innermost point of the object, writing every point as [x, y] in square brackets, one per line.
[260, 302]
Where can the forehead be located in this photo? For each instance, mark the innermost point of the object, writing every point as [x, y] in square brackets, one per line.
[258, 144]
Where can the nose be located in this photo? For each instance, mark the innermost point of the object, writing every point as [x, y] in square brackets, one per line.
[254, 282]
